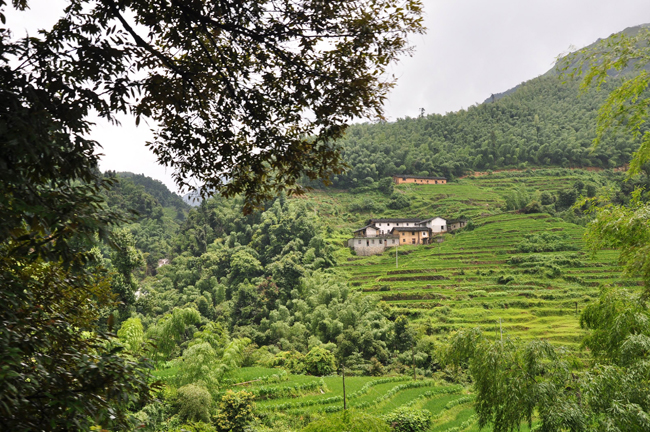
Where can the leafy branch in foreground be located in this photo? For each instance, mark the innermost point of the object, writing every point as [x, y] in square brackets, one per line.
[627, 105]
[245, 97]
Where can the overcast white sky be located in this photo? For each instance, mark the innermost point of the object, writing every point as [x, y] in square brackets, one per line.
[473, 48]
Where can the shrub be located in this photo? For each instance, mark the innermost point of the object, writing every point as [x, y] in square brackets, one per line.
[398, 201]
[235, 411]
[386, 185]
[566, 199]
[349, 421]
[291, 360]
[591, 190]
[505, 279]
[533, 207]
[194, 402]
[319, 362]
[376, 368]
[546, 242]
[407, 419]
[194, 427]
[547, 198]
[366, 205]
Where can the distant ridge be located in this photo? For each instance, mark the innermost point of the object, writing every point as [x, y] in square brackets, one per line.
[543, 122]
[192, 199]
[630, 31]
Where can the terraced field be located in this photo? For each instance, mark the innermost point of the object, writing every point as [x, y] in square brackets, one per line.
[469, 197]
[481, 278]
[450, 405]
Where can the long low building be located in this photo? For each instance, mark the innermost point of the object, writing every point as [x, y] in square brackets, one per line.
[399, 179]
[379, 234]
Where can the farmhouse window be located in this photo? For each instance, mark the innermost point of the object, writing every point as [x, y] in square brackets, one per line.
[359, 241]
[367, 242]
[404, 178]
[403, 240]
[442, 228]
[373, 242]
[412, 233]
[380, 241]
[413, 241]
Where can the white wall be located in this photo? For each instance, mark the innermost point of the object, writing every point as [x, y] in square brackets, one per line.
[437, 225]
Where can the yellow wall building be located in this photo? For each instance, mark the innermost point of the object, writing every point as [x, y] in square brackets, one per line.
[418, 180]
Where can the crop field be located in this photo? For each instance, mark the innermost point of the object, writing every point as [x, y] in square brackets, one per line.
[493, 277]
[486, 278]
[469, 197]
[450, 405]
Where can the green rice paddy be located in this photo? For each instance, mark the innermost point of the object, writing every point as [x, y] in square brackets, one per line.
[478, 278]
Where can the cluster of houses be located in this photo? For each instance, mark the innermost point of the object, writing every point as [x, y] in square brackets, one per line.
[380, 234]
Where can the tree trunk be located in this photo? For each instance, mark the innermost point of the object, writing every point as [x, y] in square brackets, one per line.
[345, 404]
[413, 364]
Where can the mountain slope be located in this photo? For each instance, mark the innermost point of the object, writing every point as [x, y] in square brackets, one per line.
[542, 122]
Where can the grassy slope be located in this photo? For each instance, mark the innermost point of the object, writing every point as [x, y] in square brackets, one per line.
[455, 284]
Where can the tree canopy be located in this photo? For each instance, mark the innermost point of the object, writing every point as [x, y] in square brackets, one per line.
[244, 97]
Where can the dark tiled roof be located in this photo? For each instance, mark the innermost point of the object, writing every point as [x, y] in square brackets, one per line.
[392, 220]
[367, 226]
[378, 236]
[420, 177]
[455, 221]
[410, 229]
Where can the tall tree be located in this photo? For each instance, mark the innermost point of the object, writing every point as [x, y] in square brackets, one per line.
[247, 97]
[233, 88]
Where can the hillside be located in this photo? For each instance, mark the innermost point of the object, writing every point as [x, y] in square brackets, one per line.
[153, 212]
[542, 122]
[554, 72]
[275, 303]
[481, 276]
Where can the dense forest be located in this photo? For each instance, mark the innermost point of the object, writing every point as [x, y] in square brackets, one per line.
[205, 291]
[126, 308]
[545, 122]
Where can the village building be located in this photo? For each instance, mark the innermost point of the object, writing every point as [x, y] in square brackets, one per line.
[372, 245]
[455, 224]
[379, 234]
[436, 224]
[385, 226]
[367, 231]
[412, 235]
[399, 179]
